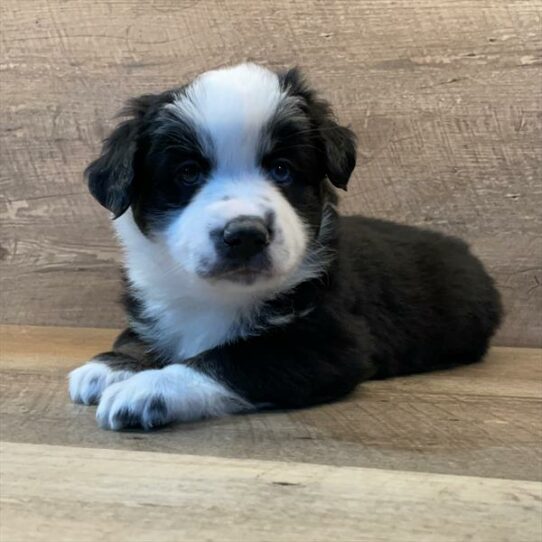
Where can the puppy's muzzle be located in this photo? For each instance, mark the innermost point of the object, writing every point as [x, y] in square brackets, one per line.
[245, 237]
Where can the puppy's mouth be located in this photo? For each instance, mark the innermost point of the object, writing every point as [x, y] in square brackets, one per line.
[246, 273]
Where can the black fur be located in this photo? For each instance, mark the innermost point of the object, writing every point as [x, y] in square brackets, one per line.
[393, 300]
[338, 143]
[397, 300]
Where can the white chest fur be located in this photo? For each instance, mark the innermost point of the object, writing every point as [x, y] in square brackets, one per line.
[184, 329]
[188, 316]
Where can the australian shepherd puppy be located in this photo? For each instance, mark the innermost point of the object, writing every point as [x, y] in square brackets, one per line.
[244, 288]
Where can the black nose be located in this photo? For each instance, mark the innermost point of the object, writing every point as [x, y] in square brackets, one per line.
[246, 236]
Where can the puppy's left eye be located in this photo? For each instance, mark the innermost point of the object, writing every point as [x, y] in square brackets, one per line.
[190, 172]
[281, 172]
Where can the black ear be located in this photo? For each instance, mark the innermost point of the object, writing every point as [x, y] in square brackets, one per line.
[110, 177]
[340, 149]
[339, 143]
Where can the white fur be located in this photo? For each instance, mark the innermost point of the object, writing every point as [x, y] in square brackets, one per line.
[281, 320]
[229, 108]
[86, 383]
[186, 394]
[191, 315]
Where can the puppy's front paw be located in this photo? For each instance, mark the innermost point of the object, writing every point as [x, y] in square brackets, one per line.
[160, 396]
[86, 383]
[145, 400]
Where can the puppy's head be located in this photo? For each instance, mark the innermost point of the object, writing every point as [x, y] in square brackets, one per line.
[227, 173]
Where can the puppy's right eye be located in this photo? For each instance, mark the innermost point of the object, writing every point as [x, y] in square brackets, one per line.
[190, 172]
[281, 172]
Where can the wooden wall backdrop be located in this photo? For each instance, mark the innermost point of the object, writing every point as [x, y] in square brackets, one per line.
[446, 96]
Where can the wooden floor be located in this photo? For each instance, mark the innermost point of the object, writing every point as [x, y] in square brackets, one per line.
[449, 456]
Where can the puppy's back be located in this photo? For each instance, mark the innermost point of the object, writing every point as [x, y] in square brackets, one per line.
[428, 301]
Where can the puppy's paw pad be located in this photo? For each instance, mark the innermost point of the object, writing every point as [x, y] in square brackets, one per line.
[86, 383]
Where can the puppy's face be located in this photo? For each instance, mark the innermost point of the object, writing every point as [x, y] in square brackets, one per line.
[227, 173]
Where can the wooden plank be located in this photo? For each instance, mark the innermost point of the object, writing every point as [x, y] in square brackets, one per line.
[481, 420]
[64, 493]
[40, 348]
[445, 96]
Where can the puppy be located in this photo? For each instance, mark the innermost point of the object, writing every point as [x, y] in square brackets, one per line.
[244, 289]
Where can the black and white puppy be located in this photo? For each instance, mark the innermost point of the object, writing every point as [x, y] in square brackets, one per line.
[244, 288]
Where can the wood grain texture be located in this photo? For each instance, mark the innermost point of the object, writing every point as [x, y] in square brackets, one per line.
[446, 97]
[481, 420]
[65, 494]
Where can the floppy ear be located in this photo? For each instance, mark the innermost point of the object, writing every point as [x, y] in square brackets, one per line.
[340, 149]
[339, 143]
[111, 176]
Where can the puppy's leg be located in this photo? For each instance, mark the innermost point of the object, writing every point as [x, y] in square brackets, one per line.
[156, 397]
[135, 389]
[266, 370]
[128, 356]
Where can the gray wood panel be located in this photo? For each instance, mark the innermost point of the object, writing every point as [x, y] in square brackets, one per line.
[446, 97]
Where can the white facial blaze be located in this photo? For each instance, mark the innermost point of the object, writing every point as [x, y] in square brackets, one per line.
[231, 106]
[229, 110]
